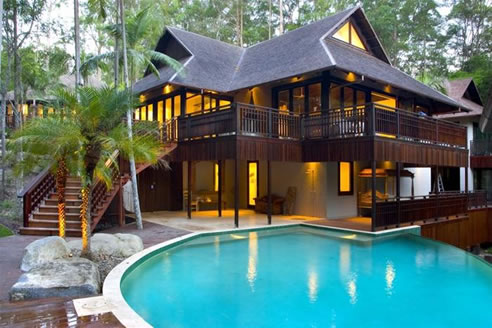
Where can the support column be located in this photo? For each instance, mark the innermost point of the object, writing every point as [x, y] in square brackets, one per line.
[398, 176]
[236, 193]
[190, 194]
[219, 198]
[373, 195]
[269, 191]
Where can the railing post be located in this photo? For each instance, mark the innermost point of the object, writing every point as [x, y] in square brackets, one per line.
[373, 119]
[27, 208]
[270, 124]
[397, 123]
[238, 119]
[437, 131]
[302, 121]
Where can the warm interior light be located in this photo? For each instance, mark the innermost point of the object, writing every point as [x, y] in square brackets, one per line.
[143, 113]
[160, 112]
[25, 109]
[137, 114]
[387, 88]
[167, 89]
[51, 110]
[252, 181]
[345, 178]
[216, 177]
[347, 33]
[40, 110]
[150, 112]
[351, 77]
[142, 98]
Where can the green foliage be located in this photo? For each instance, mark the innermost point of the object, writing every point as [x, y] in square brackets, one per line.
[480, 69]
[4, 231]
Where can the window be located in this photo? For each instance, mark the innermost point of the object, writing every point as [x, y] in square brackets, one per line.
[137, 114]
[169, 109]
[348, 98]
[216, 177]
[298, 100]
[283, 100]
[348, 33]
[314, 97]
[335, 97]
[345, 178]
[193, 103]
[150, 111]
[224, 104]
[143, 113]
[177, 105]
[40, 110]
[384, 100]
[160, 112]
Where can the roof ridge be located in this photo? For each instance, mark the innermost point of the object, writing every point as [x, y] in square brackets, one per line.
[204, 36]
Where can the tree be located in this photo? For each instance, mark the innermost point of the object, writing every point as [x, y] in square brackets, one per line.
[98, 116]
[53, 142]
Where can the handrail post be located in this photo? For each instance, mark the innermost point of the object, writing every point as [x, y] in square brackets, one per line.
[397, 123]
[302, 120]
[270, 114]
[238, 119]
[437, 132]
[373, 119]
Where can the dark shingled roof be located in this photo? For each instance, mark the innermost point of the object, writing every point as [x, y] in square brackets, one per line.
[224, 67]
[464, 92]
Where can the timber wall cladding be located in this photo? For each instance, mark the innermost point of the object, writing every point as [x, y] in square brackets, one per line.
[463, 233]
[480, 162]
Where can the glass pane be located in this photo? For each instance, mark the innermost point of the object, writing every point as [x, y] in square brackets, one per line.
[335, 98]
[177, 105]
[252, 182]
[40, 110]
[345, 183]
[160, 112]
[169, 108]
[137, 114]
[315, 97]
[384, 100]
[143, 113]
[224, 104]
[216, 177]
[298, 100]
[193, 103]
[343, 33]
[150, 112]
[283, 100]
[356, 41]
[348, 98]
[207, 103]
[361, 98]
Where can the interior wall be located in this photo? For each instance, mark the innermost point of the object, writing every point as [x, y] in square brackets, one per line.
[422, 182]
[261, 95]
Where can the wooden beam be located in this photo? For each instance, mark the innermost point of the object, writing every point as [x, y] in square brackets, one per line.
[236, 194]
[398, 176]
[269, 191]
[189, 190]
[219, 177]
[373, 195]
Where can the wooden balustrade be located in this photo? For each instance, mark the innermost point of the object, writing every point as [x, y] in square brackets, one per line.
[34, 192]
[481, 147]
[392, 212]
[100, 194]
[336, 123]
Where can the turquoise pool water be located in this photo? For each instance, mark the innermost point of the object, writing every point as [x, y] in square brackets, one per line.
[303, 277]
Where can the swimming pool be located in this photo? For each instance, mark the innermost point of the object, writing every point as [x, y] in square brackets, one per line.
[308, 277]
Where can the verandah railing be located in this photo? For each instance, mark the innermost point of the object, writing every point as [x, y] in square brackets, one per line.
[481, 147]
[390, 212]
[366, 120]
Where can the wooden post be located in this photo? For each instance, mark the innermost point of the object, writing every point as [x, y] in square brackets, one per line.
[121, 210]
[236, 193]
[189, 190]
[219, 173]
[269, 191]
[373, 195]
[398, 173]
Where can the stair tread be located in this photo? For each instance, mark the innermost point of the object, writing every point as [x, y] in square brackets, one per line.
[47, 229]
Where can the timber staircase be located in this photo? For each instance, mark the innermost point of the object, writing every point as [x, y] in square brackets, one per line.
[40, 200]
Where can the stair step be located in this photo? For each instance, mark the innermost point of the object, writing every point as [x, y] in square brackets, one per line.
[68, 195]
[38, 231]
[54, 216]
[33, 223]
[68, 202]
[54, 208]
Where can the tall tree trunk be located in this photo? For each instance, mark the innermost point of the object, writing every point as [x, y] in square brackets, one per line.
[61, 180]
[3, 108]
[77, 42]
[85, 216]
[117, 51]
[133, 170]
[269, 19]
[281, 16]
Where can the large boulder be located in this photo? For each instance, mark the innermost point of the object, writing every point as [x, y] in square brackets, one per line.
[105, 245]
[44, 251]
[73, 277]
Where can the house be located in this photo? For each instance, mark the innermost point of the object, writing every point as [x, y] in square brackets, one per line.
[319, 113]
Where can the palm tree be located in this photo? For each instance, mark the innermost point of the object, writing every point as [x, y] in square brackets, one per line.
[53, 142]
[99, 115]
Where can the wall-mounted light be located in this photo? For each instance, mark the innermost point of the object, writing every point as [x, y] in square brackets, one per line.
[142, 98]
[387, 88]
[167, 89]
[351, 77]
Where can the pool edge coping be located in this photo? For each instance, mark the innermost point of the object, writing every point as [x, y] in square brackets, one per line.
[111, 289]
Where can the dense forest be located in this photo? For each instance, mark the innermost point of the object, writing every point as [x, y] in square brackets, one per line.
[428, 39]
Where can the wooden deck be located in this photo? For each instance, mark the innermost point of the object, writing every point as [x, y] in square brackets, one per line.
[50, 312]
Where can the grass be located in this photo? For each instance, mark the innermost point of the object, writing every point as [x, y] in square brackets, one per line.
[4, 231]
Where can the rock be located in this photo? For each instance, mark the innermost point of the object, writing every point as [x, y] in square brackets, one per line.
[105, 245]
[74, 277]
[44, 251]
